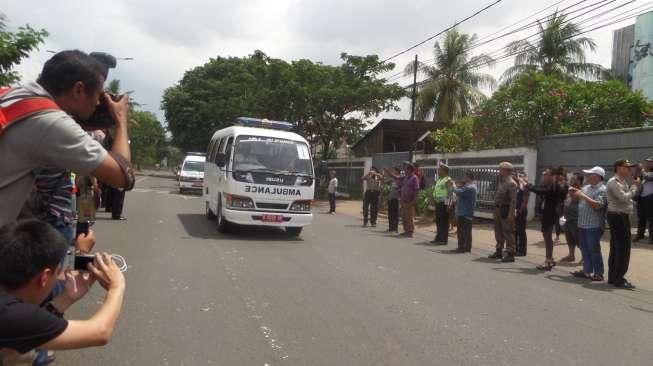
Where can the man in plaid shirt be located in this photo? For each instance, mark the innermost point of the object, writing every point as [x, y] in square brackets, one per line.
[591, 223]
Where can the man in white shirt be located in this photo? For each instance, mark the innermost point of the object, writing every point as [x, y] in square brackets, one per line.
[332, 188]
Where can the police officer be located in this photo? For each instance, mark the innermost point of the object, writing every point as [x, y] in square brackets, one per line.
[443, 189]
[505, 201]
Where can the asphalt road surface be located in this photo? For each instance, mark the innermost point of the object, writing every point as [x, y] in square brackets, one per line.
[342, 295]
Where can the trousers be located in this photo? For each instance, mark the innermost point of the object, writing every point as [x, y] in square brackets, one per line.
[521, 240]
[504, 231]
[332, 202]
[464, 233]
[441, 222]
[619, 247]
[408, 216]
[393, 214]
[590, 247]
[371, 206]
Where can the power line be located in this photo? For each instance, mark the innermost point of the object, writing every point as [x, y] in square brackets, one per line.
[441, 32]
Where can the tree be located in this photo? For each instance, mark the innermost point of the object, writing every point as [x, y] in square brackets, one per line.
[327, 104]
[147, 139]
[14, 46]
[558, 51]
[457, 137]
[453, 86]
[536, 105]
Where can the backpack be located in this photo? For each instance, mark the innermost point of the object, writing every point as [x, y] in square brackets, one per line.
[17, 108]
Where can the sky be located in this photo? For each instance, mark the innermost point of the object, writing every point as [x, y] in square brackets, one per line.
[165, 38]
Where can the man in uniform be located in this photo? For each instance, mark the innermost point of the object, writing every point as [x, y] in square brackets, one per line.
[505, 201]
[443, 189]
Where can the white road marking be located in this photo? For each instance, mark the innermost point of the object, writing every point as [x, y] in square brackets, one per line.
[140, 179]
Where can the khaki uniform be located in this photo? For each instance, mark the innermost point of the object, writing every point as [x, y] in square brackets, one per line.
[408, 217]
[504, 225]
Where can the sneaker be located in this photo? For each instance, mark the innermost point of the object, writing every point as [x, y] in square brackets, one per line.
[625, 285]
[495, 255]
[436, 242]
[507, 257]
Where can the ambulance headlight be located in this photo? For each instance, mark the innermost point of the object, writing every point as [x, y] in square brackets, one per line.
[239, 202]
[301, 206]
[303, 180]
[244, 177]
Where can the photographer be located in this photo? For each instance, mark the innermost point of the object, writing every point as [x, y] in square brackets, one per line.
[30, 256]
[39, 129]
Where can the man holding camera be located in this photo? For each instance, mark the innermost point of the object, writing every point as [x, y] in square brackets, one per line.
[30, 262]
[39, 128]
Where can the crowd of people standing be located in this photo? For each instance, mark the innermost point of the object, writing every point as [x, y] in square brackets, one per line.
[579, 205]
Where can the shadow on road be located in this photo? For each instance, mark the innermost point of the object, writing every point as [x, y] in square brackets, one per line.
[197, 226]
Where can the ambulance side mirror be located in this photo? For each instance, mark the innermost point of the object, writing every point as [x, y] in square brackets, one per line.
[221, 159]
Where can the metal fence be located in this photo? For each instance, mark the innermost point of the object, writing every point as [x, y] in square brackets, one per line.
[349, 174]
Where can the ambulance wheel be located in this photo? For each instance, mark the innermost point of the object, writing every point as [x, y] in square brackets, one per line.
[294, 231]
[221, 223]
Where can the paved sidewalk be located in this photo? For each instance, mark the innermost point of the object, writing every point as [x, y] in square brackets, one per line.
[640, 272]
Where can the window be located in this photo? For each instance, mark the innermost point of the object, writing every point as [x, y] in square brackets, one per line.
[228, 150]
[209, 151]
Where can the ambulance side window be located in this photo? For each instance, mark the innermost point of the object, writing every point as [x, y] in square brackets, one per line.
[219, 149]
[228, 149]
[209, 151]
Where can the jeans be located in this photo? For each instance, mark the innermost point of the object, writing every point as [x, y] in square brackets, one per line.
[332, 202]
[393, 214]
[441, 222]
[590, 247]
[371, 206]
[464, 233]
[619, 247]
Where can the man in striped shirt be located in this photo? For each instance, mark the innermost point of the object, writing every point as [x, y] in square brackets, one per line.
[591, 222]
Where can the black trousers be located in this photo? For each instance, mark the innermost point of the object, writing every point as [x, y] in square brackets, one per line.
[441, 222]
[117, 202]
[464, 233]
[619, 247]
[332, 202]
[521, 240]
[371, 206]
[393, 214]
[646, 216]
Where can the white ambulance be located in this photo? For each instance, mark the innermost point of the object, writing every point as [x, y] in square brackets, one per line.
[191, 172]
[259, 173]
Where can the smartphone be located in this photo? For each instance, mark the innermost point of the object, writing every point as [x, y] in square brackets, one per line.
[83, 227]
[82, 261]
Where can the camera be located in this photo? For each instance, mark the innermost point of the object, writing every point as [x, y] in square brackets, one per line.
[101, 119]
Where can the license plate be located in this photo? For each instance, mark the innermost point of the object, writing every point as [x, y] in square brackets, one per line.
[272, 218]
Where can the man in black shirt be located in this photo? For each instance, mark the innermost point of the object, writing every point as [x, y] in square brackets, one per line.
[30, 262]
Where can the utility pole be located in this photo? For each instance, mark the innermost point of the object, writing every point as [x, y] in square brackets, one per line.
[413, 97]
[414, 94]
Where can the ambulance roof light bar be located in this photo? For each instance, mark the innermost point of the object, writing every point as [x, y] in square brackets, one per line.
[264, 123]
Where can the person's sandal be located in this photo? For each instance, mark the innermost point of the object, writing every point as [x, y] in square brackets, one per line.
[596, 278]
[568, 259]
[547, 266]
[579, 274]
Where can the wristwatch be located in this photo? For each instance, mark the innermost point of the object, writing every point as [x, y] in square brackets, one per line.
[53, 310]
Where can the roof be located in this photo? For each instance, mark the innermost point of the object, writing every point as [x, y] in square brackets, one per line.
[194, 158]
[263, 132]
[420, 127]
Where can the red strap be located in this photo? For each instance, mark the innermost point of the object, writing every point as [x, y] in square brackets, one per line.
[22, 109]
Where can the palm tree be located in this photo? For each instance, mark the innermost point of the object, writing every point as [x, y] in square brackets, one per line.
[453, 86]
[557, 51]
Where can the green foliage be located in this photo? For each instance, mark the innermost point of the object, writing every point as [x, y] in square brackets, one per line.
[14, 46]
[558, 51]
[453, 86]
[328, 104]
[455, 138]
[425, 198]
[147, 137]
[537, 105]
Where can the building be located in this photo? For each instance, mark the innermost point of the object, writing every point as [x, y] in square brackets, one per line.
[395, 135]
[632, 56]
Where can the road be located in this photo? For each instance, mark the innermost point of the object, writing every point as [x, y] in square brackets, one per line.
[342, 295]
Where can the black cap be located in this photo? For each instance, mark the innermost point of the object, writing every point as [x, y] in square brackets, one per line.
[624, 162]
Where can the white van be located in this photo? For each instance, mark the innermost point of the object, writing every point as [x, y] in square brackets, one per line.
[259, 173]
[191, 173]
